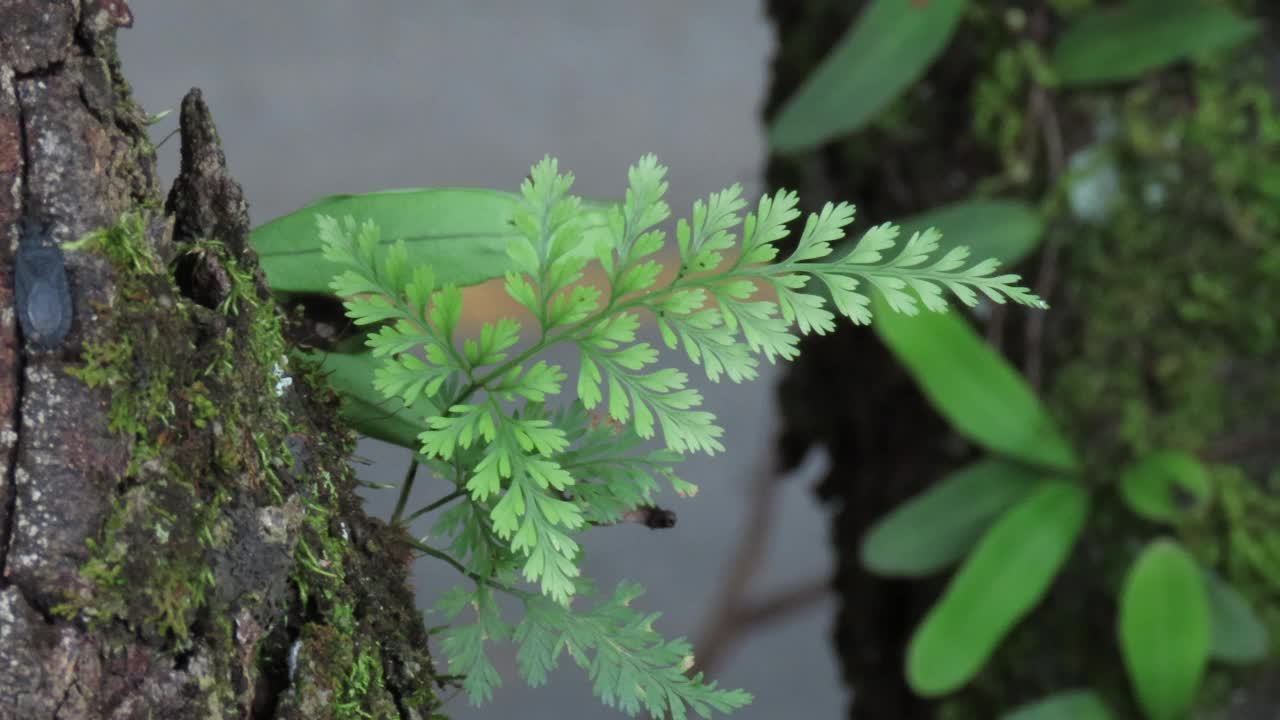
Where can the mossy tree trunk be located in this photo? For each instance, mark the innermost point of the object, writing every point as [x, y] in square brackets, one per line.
[1163, 331]
[179, 532]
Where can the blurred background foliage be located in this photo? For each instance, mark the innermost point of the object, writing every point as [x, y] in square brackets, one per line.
[1103, 474]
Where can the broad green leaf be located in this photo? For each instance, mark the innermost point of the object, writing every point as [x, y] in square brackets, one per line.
[1237, 634]
[351, 377]
[1066, 705]
[1006, 230]
[461, 233]
[1164, 629]
[1122, 42]
[1166, 486]
[974, 387]
[888, 48]
[938, 527]
[1003, 578]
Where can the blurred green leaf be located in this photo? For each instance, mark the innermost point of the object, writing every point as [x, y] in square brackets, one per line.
[1165, 486]
[1002, 579]
[461, 233]
[1164, 629]
[1237, 634]
[351, 377]
[1006, 230]
[973, 386]
[1066, 705]
[886, 49]
[936, 528]
[1122, 42]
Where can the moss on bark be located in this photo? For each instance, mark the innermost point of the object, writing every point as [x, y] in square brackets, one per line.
[182, 536]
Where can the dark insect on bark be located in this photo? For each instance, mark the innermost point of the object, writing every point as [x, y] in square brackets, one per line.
[660, 519]
[42, 294]
[654, 518]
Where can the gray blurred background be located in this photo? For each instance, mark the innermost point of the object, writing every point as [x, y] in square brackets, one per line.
[319, 96]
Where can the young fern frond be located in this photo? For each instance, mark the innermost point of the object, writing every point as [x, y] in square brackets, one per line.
[534, 477]
[631, 667]
[465, 644]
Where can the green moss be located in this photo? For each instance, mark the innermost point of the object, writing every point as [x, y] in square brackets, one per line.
[340, 668]
[149, 567]
[320, 557]
[203, 409]
[124, 244]
[220, 476]
[216, 441]
[339, 676]
[1177, 345]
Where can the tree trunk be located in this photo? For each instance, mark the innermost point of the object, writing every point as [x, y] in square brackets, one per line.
[1162, 333]
[179, 532]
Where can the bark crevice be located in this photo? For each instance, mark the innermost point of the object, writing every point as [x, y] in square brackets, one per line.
[8, 520]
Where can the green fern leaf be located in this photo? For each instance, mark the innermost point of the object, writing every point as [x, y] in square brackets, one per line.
[532, 476]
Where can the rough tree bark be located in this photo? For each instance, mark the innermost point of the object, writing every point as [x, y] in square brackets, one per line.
[179, 533]
[1162, 334]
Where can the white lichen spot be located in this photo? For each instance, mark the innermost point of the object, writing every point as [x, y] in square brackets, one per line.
[15, 192]
[274, 525]
[7, 618]
[58, 154]
[283, 381]
[293, 658]
[101, 20]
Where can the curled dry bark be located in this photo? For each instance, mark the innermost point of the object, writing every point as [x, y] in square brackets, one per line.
[179, 536]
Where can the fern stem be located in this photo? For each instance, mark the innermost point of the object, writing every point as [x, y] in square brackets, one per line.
[426, 549]
[438, 503]
[406, 488]
[612, 309]
[642, 300]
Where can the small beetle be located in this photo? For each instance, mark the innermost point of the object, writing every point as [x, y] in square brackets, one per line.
[42, 293]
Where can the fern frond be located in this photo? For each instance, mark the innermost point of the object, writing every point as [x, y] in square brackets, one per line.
[632, 668]
[464, 645]
[532, 476]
